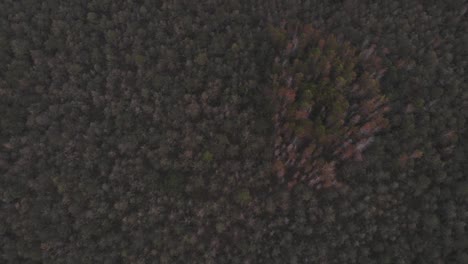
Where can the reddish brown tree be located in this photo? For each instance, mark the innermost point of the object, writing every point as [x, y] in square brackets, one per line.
[327, 111]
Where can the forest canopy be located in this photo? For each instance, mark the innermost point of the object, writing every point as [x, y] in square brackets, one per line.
[328, 105]
[300, 131]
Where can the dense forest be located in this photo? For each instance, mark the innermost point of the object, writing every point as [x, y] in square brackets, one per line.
[301, 131]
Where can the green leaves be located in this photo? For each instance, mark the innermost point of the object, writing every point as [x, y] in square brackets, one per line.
[140, 59]
[220, 227]
[173, 182]
[201, 59]
[243, 197]
[207, 156]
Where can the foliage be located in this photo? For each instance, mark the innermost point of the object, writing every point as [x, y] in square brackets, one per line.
[107, 109]
[323, 117]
